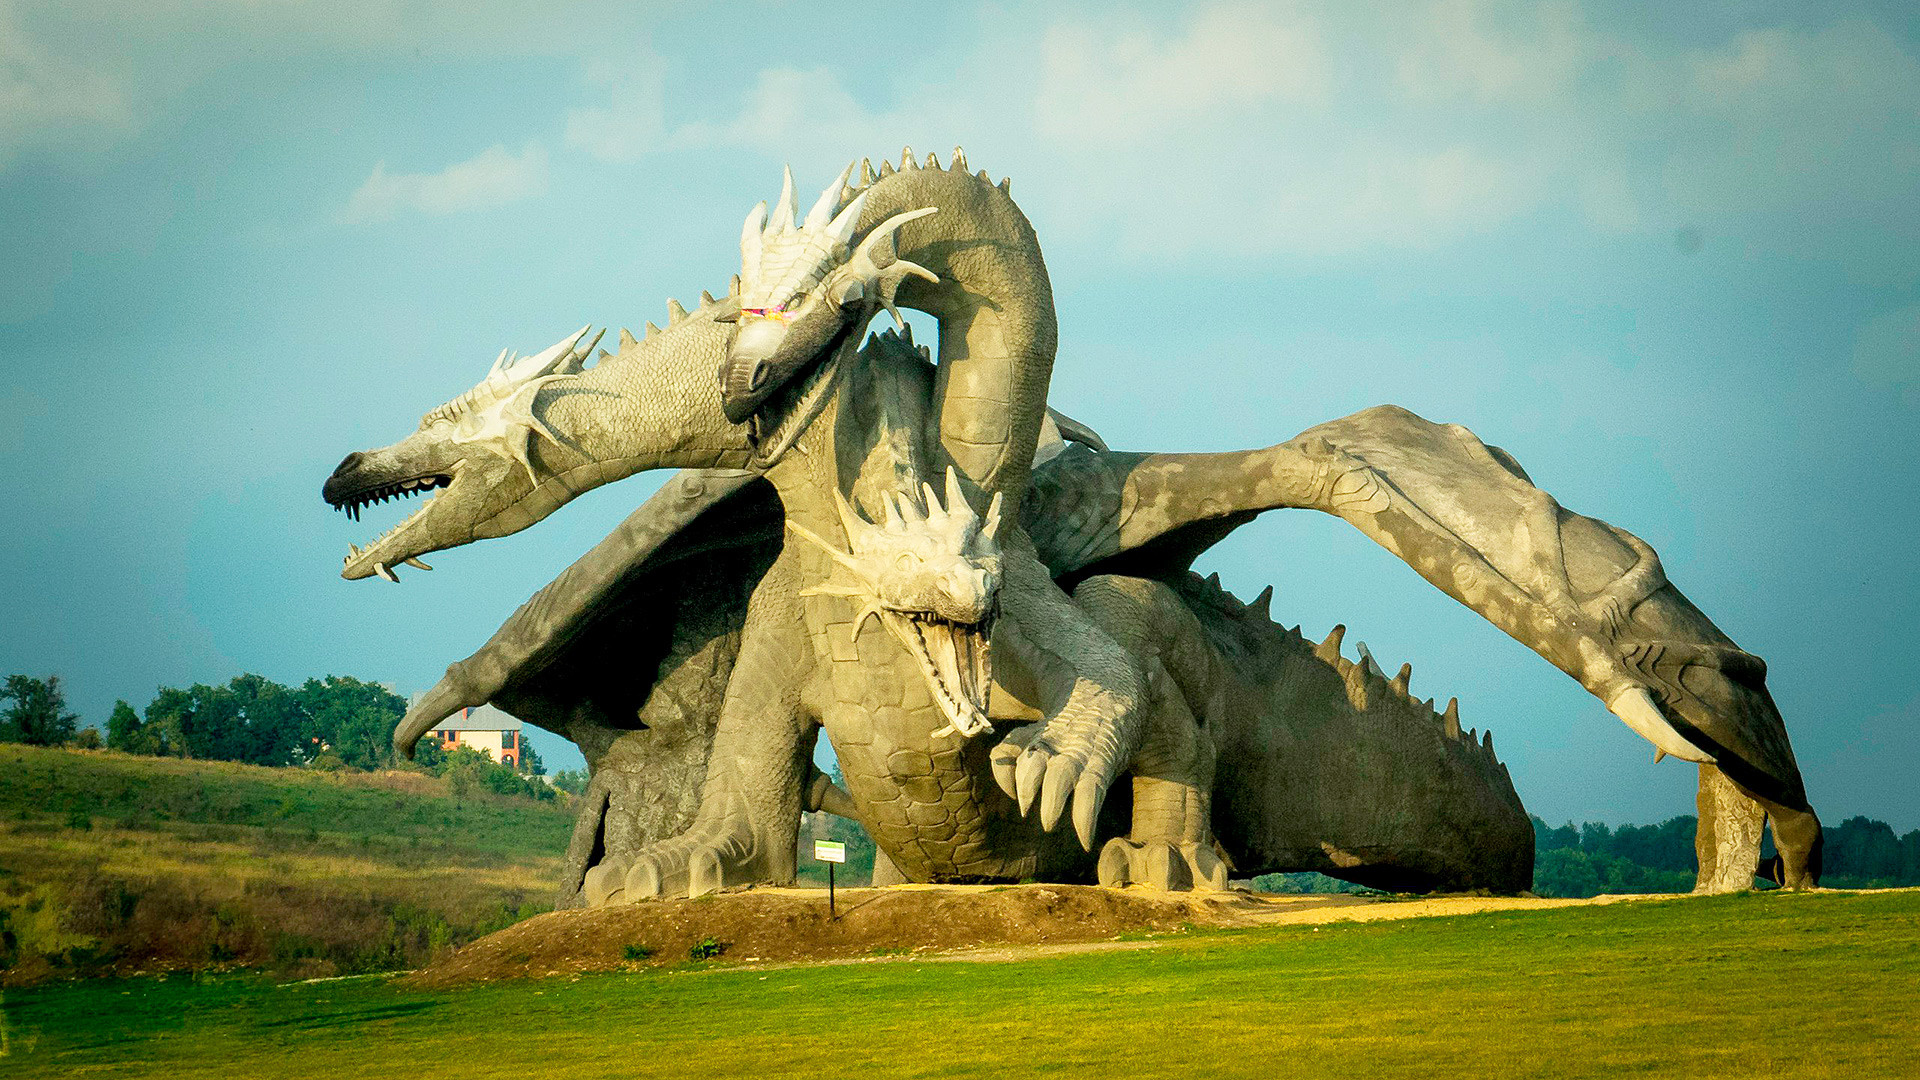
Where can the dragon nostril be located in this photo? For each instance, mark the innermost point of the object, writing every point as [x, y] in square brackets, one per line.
[350, 462]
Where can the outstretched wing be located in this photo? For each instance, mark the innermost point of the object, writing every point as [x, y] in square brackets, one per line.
[1589, 597]
[589, 648]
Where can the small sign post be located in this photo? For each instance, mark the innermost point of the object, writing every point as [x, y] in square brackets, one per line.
[830, 852]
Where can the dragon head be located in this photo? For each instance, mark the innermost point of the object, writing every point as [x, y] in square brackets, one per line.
[806, 292]
[931, 575]
[478, 447]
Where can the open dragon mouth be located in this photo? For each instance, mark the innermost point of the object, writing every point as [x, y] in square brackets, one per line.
[777, 425]
[352, 503]
[384, 553]
[957, 661]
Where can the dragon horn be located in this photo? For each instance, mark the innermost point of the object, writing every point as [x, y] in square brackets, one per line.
[839, 556]
[829, 201]
[783, 210]
[992, 525]
[956, 498]
[750, 234]
[885, 230]
[841, 230]
[871, 611]
[850, 519]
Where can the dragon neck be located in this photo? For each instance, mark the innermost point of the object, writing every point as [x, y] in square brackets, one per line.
[655, 405]
[995, 310]
[870, 438]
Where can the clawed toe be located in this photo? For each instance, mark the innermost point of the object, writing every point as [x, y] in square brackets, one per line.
[1189, 867]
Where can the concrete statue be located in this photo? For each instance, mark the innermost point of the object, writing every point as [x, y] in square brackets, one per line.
[991, 615]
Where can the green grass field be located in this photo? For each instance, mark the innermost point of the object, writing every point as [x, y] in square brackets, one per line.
[115, 862]
[1757, 985]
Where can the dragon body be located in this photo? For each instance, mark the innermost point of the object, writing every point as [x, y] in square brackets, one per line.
[1241, 739]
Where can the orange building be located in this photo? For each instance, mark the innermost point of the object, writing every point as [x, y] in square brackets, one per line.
[487, 730]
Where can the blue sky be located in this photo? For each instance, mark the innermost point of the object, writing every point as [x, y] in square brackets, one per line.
[1665, 258]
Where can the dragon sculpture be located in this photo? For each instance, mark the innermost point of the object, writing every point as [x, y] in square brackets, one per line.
[752, 601]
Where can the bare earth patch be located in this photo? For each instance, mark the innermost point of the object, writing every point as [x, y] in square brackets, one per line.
[950, 922]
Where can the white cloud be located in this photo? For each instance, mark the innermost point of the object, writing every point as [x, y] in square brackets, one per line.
[634, 121]
[49, 99]
[492, 178]
[1099, 87]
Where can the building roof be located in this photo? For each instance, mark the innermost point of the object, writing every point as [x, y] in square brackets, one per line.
[482, 718]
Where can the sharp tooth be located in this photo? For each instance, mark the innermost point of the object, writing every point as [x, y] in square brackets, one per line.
[411, 561]
[381, 569]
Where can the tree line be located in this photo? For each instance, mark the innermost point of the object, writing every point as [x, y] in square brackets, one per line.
[336, 722]
[1592, 858]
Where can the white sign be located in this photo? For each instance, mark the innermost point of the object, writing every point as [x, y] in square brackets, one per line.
[829, 851]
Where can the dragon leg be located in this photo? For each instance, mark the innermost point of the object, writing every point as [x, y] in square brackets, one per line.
[758, 781]
[1170, 844]
[1090, 691]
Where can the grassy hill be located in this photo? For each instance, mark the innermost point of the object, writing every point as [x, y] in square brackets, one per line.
[117, 862]
[1804, 985]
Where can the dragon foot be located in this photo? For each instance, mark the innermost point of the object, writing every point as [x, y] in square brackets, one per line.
[1055, 761]
[1158, 864]
[697, 862]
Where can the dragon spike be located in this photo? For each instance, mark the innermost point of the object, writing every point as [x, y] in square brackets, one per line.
[906, 159]
[1450, 720]
[894, 522]
[1213, 580]
[886, 170]
[1329, 650]
[750, 234]
[992, 525]
[933, 162]
[627, 340]
[828, 202]
[904, 507]
[840, 230]
[955, 497]
[733, 285]
[651, 329]
[933, 501]
[675, 312]
[1404, 679]
[812, 537]
[1263, 604]
[850, 519]
[867, 175]
[499, 363]
[783, 210]
[706, 298]
[870, 611]
[958, 162]
[1356, 678]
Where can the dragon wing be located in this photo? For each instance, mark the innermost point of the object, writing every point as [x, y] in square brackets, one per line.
[1589, 597]
[591, 648]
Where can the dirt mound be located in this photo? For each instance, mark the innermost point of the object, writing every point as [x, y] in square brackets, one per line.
[964, 922]
[785, 925]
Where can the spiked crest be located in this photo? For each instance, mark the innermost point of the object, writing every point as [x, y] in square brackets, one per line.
[499, 411]
[783, 263]
[931, 575]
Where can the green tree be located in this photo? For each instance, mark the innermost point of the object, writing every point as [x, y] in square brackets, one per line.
[355, 718]
[38, 714]
[571, 781]
[169, 717]
[123, 729]
[530, 762]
